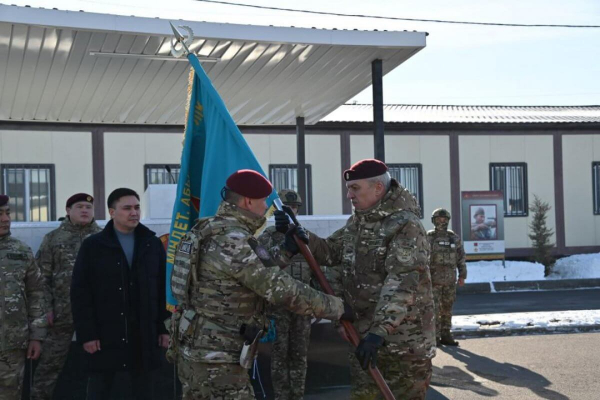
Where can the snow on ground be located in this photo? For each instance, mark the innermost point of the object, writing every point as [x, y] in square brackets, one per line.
[526, 320]
[581, 266]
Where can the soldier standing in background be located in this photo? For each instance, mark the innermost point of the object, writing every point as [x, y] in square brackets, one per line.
[22, 306]
[221, 279]
[56, 258]
[447, 255]
[382, 255]
[290, 348]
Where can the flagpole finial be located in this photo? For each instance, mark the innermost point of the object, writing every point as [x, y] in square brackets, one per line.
[179, 39]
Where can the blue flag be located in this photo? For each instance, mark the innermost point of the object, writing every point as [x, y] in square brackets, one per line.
[213, 149]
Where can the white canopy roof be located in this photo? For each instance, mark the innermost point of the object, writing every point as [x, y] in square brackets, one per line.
[63, 66]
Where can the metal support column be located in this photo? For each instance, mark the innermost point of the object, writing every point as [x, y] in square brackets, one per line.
[301, 161]
[98, 173]
[377, 82]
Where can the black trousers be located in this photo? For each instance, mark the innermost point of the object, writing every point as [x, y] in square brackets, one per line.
[100, 384]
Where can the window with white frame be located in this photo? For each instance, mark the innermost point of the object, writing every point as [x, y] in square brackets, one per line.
[158, 174]
[285, 176]
[31, 191]
[511, 179]
[411, 177]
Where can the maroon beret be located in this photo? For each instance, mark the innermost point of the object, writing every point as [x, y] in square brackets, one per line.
[365, 169]
[76, 198]
[249, 183]
[3, 200]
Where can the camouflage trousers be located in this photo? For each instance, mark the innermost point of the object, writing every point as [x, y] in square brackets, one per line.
[289, 355]
[407, 376]
[12, 368]
[54, 354]
[443, 299]
[203, 381]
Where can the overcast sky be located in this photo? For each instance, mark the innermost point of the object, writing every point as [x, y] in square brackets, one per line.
[469, 65]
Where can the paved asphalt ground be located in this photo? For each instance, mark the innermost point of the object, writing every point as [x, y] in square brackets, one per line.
[553, 367]
[510, 302]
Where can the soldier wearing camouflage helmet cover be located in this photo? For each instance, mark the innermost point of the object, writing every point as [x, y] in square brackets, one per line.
[222, 279]
[22, 308]
[447, 255]
[289, 355]
[382, 260]
[56, 258]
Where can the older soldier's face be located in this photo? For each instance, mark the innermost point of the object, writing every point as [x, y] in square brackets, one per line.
[4, 220]
[363, 194]
[81, 213]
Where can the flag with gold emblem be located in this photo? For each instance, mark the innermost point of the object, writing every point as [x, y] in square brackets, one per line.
[213, 149]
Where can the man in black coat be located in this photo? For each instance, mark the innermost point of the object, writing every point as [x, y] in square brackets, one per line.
[118, 299]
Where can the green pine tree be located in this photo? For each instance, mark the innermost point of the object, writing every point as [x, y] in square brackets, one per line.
[540, 234]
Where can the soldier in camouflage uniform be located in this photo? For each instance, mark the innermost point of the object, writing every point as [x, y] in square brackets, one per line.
[22, 306]
[382, 256]
[221, 279]
[56, 258]
[290, 348]
[447, 255]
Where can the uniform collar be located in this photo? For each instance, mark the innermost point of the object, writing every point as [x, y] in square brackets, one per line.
[244, 217]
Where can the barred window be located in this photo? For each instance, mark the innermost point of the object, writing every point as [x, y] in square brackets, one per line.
[31, 191]
[285, 176]
[157, 174]
[411, 177]
[511, 179]
[596, 186]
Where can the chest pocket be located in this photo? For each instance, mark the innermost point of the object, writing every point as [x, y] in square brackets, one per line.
[444, 252]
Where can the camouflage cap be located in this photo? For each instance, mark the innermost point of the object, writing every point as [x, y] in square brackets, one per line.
[441, 212]
[3, 200]
[290, 197]
[479, 211]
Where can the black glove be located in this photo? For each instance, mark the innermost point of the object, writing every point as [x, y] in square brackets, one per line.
[366, 352]
[282, 221]
[290, 244]
[348, 314]
[249, 332]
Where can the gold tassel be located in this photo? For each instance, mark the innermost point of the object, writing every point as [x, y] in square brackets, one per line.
[191, 76]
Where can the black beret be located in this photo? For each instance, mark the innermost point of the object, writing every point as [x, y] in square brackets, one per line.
[249, 183]
[3, 200]
[365, 169]
[76, 198]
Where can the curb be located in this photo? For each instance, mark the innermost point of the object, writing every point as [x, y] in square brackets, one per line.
[552, 284]
[525, 331]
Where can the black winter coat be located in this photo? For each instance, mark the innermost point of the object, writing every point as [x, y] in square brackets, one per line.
[122, 307]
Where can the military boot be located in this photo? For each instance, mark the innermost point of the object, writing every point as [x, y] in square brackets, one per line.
[448, 340]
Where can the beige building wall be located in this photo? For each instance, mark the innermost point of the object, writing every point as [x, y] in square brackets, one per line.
[322, 153]
[477, 152]
[126, 153]
[70, 152]
[582, 227]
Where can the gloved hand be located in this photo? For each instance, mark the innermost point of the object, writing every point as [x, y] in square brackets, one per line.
[249, 332]
[348, 314]
[289, 242]
[282, 221]
[366, 352]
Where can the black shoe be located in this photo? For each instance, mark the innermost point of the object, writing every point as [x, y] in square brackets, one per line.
[449, 341]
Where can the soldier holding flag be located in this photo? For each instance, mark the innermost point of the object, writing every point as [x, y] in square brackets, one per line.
[222, 279]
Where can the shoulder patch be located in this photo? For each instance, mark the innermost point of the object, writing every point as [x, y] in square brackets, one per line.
[262, 253]
[185, 247]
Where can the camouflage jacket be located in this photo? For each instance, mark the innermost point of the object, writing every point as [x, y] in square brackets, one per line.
[383, 258]
[447, 254]
[230, 283]
[22, 304]
[56, 258]
[298, 268]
